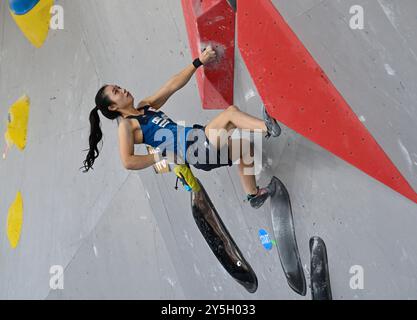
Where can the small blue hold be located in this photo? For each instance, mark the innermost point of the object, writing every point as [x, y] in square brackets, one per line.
[21, 7]
[265, 240]
[188, 188]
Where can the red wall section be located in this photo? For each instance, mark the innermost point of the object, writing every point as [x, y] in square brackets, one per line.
[212, 22]
[297, 92]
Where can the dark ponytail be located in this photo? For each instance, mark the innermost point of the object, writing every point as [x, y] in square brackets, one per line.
[102, 104]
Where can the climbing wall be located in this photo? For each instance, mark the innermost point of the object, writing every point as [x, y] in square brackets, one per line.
[212, 22]
[297, 92]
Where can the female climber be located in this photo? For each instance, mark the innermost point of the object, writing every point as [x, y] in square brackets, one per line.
[144, 124]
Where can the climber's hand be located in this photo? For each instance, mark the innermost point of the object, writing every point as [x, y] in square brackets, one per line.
[208, 55]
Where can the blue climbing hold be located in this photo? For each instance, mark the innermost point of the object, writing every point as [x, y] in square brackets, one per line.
[21, 7]
[265, 240]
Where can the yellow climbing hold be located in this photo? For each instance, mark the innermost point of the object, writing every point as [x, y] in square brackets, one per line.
[15, 221]
[35, 23]
[18, 123]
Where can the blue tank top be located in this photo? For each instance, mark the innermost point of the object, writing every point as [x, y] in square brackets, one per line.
[159, 131]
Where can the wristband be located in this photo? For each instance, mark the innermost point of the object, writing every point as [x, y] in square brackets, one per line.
[197, 63]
